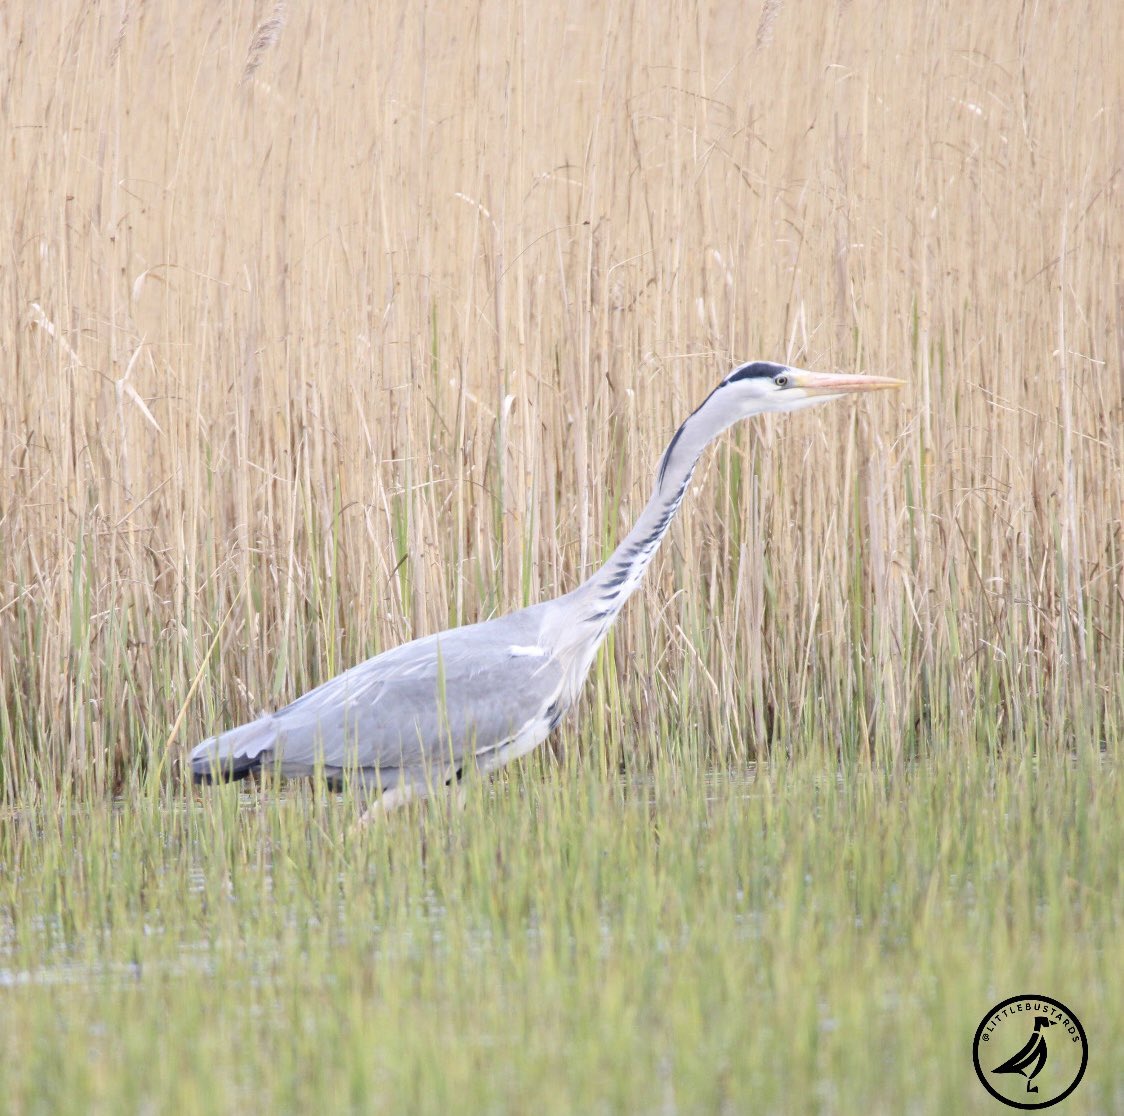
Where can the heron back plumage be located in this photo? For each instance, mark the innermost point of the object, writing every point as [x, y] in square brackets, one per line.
[418, 712]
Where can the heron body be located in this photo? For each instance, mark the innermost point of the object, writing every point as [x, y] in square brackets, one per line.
[414, 718]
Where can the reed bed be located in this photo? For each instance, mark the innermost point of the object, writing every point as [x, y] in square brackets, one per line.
[794, 942]
[389, 335]
[328, 326]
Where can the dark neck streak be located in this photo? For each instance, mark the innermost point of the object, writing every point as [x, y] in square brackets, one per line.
[603, 595]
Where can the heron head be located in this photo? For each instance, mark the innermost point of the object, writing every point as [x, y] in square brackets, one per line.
[766, 387]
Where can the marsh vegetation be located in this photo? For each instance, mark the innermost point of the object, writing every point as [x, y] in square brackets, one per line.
[326, 327]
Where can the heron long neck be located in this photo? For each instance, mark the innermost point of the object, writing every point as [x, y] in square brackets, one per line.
[612, 585]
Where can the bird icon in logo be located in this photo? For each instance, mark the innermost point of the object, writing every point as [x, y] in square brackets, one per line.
[1032, 1057]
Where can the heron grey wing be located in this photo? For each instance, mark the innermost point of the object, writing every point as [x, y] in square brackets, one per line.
[425, 704]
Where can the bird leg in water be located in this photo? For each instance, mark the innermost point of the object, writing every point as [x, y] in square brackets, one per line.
[402, 795]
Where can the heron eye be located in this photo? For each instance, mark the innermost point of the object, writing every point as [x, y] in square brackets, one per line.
[781, 380]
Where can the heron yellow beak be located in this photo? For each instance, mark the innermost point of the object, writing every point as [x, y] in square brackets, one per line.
[835, 383]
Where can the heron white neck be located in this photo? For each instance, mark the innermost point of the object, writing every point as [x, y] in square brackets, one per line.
[607, 590]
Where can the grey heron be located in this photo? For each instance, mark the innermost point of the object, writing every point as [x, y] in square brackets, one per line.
[417, 716]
